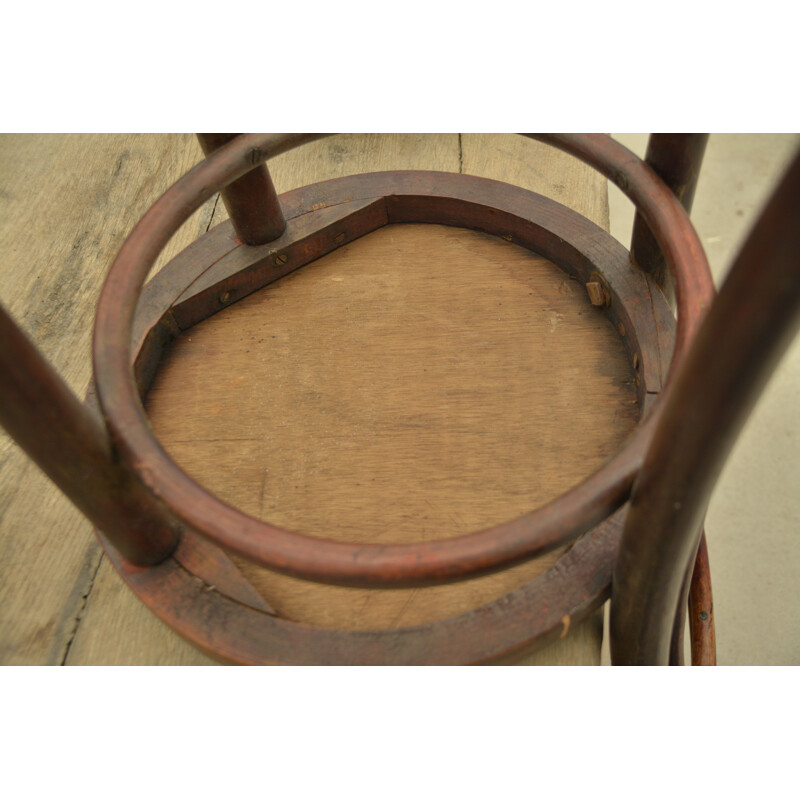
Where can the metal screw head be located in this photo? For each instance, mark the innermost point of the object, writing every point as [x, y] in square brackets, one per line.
[281, 259]
[224, 297]
[339, 238]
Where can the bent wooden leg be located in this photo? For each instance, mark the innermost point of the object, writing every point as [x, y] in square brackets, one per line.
[69, 443]
[744, 335]
[677, 158]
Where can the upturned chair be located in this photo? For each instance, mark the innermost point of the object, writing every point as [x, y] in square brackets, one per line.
[250, 591]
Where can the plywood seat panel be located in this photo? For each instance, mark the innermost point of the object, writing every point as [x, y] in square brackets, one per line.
[419, 383]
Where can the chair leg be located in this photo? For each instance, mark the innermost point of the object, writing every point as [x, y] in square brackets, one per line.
[71, 446]
[745, 333]
[252, 201]
[701, 612]
[697, 600]
[677, 158]
[677, 654]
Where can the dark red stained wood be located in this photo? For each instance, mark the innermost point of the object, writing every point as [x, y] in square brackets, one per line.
[337, 562]
[68, 442]
[246, 269]
[695, 593]
[701, 611]
[504, 630]
[220, 619]
[677, 158]
[252, 201]
[611, 255]
[199, 591]
[744, 335]
[218, 573]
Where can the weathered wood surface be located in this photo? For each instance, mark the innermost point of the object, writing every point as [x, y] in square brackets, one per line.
[341, 396]
[66, 204]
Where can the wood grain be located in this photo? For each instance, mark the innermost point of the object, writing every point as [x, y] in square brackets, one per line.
[54, 584]
[538, 167]
[104, 640]
[66, 204]
[419, 383]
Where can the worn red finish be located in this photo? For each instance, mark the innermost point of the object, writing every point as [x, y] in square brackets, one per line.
[193, 587]
[252, 201]
[754, 319]
[72, 447]
[323, 560]
[701, 611]
[677, 159]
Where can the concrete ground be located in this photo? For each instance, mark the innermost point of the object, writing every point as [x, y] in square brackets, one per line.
[753, 524]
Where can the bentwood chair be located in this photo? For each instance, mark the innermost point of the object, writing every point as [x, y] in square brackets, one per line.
[251, 591]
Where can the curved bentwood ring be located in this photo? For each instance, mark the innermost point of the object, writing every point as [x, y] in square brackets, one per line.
[224, 616]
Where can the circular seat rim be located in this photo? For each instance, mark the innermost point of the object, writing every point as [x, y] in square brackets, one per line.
[556, 523]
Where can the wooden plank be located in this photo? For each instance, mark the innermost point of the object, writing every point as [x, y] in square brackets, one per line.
[66, 204]
[101, 636]
[538, 167]
[117, 629]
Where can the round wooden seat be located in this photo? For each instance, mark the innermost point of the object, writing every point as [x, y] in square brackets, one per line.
[358, 420]
[228, 264]
[419, 383]
[415, 415]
